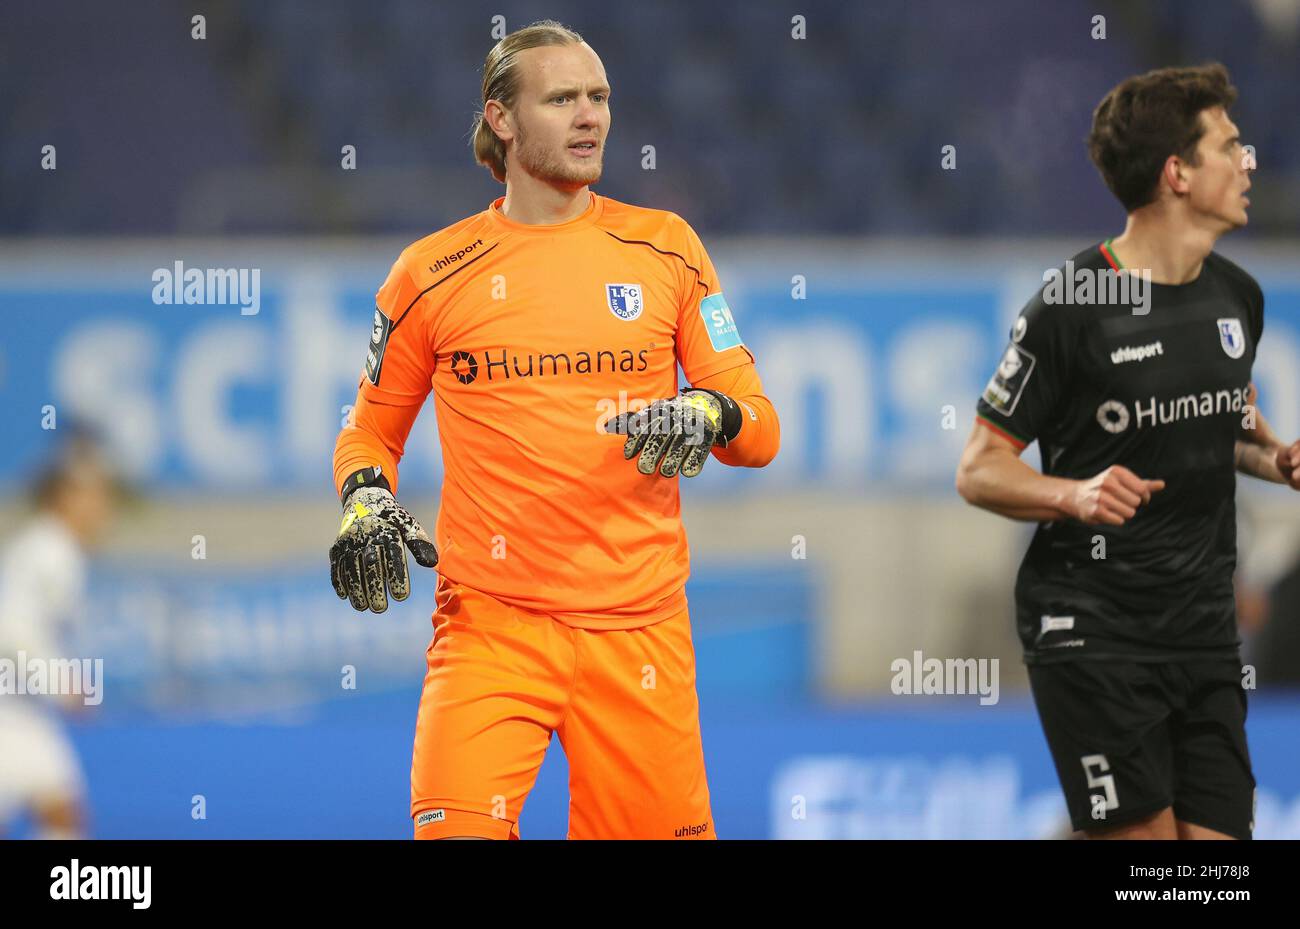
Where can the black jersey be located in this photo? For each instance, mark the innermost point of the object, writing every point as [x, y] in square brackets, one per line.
[1159, 385]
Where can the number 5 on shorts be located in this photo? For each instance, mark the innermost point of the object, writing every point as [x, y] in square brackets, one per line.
[1095, 768]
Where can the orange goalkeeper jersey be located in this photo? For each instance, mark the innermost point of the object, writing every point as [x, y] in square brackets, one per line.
[531, 337]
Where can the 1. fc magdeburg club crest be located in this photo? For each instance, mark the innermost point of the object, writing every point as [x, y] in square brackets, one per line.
[1231, 337]
[624, 300]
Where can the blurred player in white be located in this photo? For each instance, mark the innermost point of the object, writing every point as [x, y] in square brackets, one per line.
[42, 591]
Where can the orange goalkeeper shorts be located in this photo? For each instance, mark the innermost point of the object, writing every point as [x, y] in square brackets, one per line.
[501, 679]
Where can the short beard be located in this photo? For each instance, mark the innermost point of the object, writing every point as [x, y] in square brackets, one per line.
[544, 165]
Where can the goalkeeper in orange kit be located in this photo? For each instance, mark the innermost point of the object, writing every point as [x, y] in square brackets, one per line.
[562, 560]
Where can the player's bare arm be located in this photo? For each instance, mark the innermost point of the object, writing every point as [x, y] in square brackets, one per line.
[1261, 454]
[993, 476]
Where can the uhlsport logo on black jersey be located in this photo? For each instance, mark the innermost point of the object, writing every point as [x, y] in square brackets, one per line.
[1114, 415]
[1127, 353]
[504, 364]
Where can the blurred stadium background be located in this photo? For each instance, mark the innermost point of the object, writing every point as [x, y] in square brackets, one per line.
[874, 287]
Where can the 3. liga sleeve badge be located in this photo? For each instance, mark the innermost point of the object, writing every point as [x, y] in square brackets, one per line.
[1008, 382]
[378, 342]
[624, 300]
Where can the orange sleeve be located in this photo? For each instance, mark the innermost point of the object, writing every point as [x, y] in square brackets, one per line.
[375, 435]
[397, 376]
[708, 341]
[760, 435]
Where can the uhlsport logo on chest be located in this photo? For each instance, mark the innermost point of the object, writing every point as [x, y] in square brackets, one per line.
[624, 300]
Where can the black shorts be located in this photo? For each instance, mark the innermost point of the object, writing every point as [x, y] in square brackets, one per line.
[1131, 738]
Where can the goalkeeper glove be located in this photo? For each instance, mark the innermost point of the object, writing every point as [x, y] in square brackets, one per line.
[675, 435]
[368, 560]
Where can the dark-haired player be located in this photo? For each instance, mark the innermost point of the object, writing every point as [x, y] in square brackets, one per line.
[1131, 368]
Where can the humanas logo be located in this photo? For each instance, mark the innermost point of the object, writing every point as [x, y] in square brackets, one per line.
[504, 364]
[1099, 287]
[1113, 415]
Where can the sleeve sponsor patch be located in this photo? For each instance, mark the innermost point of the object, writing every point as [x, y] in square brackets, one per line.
[719, 322]
[378, 342]
[1008, 382]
